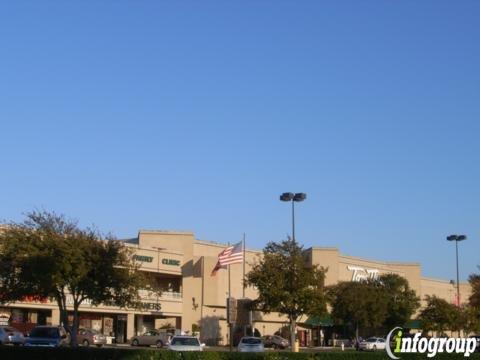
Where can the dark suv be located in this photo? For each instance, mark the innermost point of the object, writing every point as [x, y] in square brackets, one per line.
[52, 336]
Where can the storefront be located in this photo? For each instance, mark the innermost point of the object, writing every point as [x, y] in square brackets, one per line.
[181, 266]
[114, 326]
[24, 319]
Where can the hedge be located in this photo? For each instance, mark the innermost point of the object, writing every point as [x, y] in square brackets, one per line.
[24, 353]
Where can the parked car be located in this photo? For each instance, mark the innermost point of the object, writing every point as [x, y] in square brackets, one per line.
[10, 335]
[373, 343]
[251, 344]
[275, 341]
[88, 337]
[152, 337]
[185, 343]
[53, 336]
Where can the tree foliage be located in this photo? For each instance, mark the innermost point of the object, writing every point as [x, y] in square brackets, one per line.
[474, 280]
[439, 315]
[359, 304]
[401, 301]
[474, 303]
[49, 256]
[387, 301]
[286, 284]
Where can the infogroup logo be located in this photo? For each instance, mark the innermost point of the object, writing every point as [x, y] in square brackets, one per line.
[430, 346]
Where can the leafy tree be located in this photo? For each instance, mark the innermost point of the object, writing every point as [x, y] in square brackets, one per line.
[474, 303]
[360, 304]
[286, 284]
[50, 256]
[472, 324]
[402, 302]
[387, 301]
[439, 315]
[474, 280]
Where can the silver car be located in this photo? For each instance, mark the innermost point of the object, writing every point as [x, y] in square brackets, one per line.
[373, 344]
[10, 335]
[88, 337]
[152, 337]
[185, 343]
[251, 344]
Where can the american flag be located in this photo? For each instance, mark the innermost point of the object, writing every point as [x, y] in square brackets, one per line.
[230, 255]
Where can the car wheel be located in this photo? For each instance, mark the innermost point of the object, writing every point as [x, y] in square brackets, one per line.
[159, 344]
[86, 343]
[274, 347]
[135, 342]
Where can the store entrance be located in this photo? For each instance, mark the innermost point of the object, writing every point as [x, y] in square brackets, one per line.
[121, 329]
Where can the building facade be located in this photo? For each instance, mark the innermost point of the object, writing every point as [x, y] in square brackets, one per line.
[192, 298]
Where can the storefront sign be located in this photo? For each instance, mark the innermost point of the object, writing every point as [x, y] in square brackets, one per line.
[151, 306]
[69, 300]
[35, 299]
[360, 273]
[172, 262]
[143, 258]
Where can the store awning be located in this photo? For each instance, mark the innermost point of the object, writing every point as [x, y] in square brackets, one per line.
[319, 321]
[413, 324]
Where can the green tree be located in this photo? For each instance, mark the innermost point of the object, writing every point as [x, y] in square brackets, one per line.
[286, 284]
[402, 302]
[474, 300]
[359, 304]
[474, 303]
[387, 301]
[439, 315]
[48, 255]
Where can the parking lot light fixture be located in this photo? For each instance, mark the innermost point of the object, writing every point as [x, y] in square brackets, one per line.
[457, 238]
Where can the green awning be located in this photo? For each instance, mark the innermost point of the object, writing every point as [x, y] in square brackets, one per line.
[413, 324]
[317, 321]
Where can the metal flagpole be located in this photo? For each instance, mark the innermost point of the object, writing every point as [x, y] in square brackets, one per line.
[229, 310]
[243, 285]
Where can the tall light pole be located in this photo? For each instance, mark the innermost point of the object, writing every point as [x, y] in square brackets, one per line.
[297, 197]
[457, 238]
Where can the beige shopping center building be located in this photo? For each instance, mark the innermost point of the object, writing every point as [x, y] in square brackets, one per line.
[182, 265]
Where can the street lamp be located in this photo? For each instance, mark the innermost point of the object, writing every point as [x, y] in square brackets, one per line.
[457, 238]
[297, 197]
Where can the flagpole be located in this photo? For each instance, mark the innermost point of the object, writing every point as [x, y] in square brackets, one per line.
[243, 280]
[229, 303]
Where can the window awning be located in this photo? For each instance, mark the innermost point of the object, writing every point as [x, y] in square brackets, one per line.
[319, 321]
[413, 324]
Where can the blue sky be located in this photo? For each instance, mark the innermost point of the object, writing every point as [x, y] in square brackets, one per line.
[196, 115]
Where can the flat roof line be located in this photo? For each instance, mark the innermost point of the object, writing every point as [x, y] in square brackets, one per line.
[169, 232]
[219, 245]
[441, 280]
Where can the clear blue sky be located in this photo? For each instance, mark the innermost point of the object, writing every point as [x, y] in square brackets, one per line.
[196, 115]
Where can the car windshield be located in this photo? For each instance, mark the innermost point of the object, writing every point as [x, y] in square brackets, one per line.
[372, 340]
[185, 342]
[45, 332]
[251, 341]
